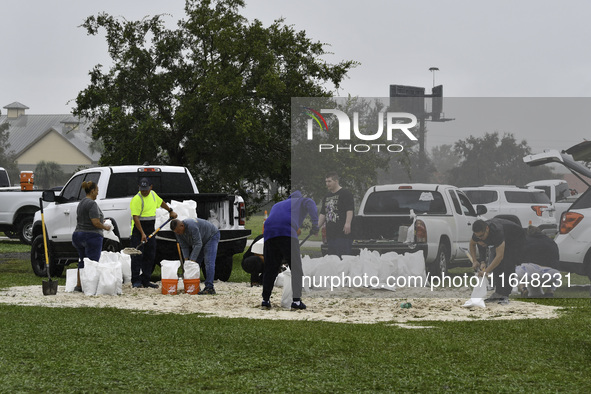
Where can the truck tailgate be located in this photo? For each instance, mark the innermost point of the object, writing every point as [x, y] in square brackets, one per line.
[374, 228]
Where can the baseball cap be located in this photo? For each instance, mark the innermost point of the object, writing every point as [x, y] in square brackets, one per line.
[145, 184]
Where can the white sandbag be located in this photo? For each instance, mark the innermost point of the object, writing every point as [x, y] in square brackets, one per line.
[213, 218]
[370, 264]
[327, 267]
[110, 234]
[121, 259]
[185, 210]
[309, 265]
[108, 257]
[125, 261]
[109, 277]
[192, 270]
[71, 279]
[170, 269]
[280, 280]
[478, 294]
[388, 266]
[258, 247]
[287, 296]
[89, 276]
[413, 264]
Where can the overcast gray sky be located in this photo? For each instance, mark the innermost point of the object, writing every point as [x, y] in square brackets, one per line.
[482, 49]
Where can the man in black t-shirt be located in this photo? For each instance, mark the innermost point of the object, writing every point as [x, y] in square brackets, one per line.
[337, 213]
[508, 239]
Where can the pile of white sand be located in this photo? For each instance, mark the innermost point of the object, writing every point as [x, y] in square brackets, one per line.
[344, 305]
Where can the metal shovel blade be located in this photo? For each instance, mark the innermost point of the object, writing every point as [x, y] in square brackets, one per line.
[131, 251]
[49, 287]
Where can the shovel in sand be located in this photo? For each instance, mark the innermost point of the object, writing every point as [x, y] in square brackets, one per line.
[136, 250]
[49, 286]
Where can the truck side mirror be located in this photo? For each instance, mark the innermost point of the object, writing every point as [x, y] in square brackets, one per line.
[48, 196]
[481, 209]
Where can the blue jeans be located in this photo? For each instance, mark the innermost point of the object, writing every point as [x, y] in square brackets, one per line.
[88, 245]
[207, 255]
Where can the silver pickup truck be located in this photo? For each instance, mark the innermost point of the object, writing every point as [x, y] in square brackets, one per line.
[17, 209]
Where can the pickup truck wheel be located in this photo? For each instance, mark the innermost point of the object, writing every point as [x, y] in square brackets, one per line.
[38, 256]
[223, 268]
[111, 246]
[441, 263]
[587, 265]
[25, 230]
[38, 259]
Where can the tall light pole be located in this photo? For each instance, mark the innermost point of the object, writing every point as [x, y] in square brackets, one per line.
[433, 69]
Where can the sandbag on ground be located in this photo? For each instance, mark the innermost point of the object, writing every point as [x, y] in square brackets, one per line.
[169, 269]
[369, 269]
[101, 277]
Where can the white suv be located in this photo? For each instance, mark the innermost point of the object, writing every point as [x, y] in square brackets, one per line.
[521, 205]
[574, 237]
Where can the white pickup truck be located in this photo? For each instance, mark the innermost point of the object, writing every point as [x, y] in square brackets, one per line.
[17, 209]
[443, 218]
[117, 185]
[558, 192]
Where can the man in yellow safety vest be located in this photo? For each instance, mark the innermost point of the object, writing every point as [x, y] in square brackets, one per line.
[143, 213]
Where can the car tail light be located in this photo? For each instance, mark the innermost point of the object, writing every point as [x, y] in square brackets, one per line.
[538, 209]
[241, 214]
[568, 221]
[420, 231]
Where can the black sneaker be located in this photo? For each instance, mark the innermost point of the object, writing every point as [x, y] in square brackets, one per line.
[207, 290]
[296, 307]
[137, 285]
[266, 304]
[151, 285]
[494, 297]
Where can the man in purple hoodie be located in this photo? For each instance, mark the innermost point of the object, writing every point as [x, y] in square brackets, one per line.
[281, 243]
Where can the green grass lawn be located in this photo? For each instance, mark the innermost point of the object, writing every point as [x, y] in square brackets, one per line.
[109, 350]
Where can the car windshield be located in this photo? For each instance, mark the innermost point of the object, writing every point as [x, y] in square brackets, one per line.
[402, 201]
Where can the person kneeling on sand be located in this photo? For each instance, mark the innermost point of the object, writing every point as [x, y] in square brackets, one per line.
[536, 280]
[253, 263]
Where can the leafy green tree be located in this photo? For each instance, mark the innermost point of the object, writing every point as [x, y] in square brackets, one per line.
[494, 160]
[48, 174]
[7, 158]
[408, 167]
[444, 159]
[213, 95]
